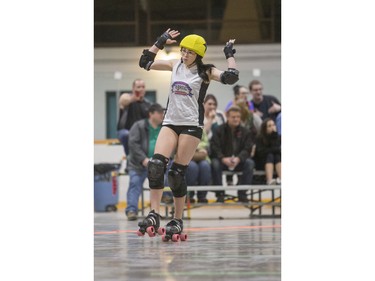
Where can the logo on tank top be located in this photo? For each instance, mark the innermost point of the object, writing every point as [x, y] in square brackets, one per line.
[181, 88]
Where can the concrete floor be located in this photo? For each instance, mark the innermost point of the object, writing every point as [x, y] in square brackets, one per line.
[223, 244]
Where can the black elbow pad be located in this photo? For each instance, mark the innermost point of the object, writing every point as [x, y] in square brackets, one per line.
[146, 59]
[229, 76]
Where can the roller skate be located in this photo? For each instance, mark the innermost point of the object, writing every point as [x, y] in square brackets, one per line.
[173, 231]
[151, 225]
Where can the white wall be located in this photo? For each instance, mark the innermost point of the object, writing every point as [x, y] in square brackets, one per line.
[106, 153]
[266, 58]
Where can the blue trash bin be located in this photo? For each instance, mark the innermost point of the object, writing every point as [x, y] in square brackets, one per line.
[106, 187]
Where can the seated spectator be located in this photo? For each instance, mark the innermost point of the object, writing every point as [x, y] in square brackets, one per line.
[267, 151]
[212, 119]
[212, 116]
[230, 147]
[264, 105]
[142, 139]
[240, 94]
[199, 170]
[249, 120]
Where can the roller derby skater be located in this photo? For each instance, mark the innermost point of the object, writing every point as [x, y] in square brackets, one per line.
[182, 126]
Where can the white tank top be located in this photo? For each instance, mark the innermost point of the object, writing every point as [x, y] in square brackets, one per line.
[186, 95]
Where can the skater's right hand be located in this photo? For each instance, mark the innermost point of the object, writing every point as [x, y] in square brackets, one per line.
[166, 38]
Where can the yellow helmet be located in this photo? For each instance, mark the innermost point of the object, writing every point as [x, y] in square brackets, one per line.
[194, 43]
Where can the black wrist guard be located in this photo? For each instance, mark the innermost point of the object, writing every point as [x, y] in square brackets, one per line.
[147, 59]
[229, 76]
[162, 40]
[229, 51]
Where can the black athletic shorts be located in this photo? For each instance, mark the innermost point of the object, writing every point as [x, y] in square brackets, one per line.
[187, 130]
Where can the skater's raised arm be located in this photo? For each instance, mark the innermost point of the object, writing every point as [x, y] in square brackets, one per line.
[231, 75]
[147, 59]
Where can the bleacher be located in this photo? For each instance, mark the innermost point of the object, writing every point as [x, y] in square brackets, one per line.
[260, 196]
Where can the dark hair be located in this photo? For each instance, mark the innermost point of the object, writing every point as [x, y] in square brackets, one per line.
[210, 97]
[254, 82]
[263, 130]
[203, 68]
[137, 79]
[155, 107]
[236, 89]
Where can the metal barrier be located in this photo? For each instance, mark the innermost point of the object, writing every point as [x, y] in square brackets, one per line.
[255, 204]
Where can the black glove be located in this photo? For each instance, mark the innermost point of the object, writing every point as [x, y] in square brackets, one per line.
[162, 40]
[229, 51]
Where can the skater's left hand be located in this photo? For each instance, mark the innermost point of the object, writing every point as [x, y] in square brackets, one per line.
[228, 49]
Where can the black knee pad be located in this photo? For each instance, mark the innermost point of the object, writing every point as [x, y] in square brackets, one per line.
[155, 171]
[176, 180]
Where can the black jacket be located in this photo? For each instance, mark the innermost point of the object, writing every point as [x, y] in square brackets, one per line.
[271, 144]
[134, 112]
[221, 143]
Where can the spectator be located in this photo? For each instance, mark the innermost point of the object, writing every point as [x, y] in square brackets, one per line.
[212, 116]
[267, 151]
[240, 99]
[265, 105]
[230, 148]
[249, 120]
[199, 170]
[133, 107]
[278, 123]
[142, 139]
[240, 94]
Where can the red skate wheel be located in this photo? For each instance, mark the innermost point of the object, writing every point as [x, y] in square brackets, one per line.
[175, 237]
[183, 237]
[140, 233]
[164, 238]
[161, 230]
[150, 231]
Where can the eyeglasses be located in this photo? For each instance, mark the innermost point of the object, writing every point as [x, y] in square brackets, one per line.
[187, 52]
